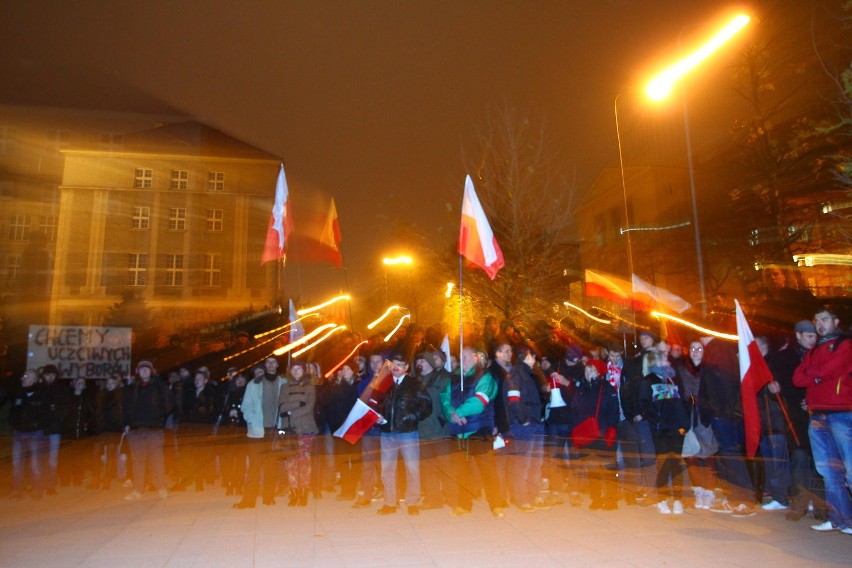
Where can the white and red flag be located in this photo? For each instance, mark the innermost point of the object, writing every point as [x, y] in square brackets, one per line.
[363, 415]
[609, 287]
[476, 240]
[649, 293]
[754, 374]
[280, 223]
[361, 418]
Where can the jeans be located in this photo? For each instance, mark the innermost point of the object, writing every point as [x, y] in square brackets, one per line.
[776, 466]
[524, 469]
[28, 457]
[146, 448]
[408, 445]
[51, 472]
[831, 441]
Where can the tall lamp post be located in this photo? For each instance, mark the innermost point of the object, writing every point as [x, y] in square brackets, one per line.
[659, 89]
[394, 261]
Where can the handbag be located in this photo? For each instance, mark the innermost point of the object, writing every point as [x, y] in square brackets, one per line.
[588, 430]
[699, 441]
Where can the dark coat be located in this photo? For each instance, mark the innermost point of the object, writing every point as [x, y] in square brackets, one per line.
[405, 405]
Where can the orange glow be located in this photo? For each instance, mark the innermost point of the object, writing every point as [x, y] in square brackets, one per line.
[342, 361]
[696, 327]
[304, 311]
[283, 327]
[661, 86]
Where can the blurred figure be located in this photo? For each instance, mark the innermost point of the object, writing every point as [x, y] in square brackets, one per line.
[469, 409]
[433, 430]
[147, 403]
[260, 410]
[342, 394]
[29, 443]
[57, 401]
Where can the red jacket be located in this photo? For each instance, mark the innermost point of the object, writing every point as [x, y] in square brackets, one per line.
[826, 374]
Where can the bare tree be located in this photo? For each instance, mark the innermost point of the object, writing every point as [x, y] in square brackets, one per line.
[530, 206]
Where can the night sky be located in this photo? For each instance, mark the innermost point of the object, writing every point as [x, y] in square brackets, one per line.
[370, 102]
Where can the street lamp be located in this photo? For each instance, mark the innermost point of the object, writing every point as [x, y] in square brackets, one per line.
[660, 87]
[394, 261]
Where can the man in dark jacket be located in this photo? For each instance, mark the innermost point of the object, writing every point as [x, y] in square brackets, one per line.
[524, 413]
[403, 407]
[806, 483]
[433, 431]
[147, 402]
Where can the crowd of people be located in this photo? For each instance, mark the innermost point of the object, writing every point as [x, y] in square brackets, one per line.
[515, 422]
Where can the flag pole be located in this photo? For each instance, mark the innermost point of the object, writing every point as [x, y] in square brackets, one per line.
[346, 283]
[461, 324]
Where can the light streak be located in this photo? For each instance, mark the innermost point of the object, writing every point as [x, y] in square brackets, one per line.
[304, 311]
[290, 346]
[318, 341]
[696, 327]
[585, 313]
[816, 259]
[402, 319]
[342, 361]
[449, 291]
[285, 326]
[382, 317]
[397, 260]
[661, 85]
[664, 228]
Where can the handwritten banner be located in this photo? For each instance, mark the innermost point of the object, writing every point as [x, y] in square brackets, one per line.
[80, 351]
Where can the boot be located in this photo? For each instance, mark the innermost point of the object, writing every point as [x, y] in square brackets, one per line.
[303, 497]
[294, 498]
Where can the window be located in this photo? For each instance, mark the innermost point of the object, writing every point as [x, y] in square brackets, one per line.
[177, 219]
[180, 179]
[137, 269]
[212, 270]
[215, 181]
[13, 266]
[143, 178]
[111, 142]
[214, 219]
[141, 218]
[48, 227]
[174, 270]
[19, 228]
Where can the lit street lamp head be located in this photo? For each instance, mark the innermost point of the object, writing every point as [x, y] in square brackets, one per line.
[661, 86]
[397, 260]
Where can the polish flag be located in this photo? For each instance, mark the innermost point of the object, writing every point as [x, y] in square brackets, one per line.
[602, 285]
[331, 238]
[280, 223]
[361, 418]
[754, 374]
[656, 295]
[476, 240]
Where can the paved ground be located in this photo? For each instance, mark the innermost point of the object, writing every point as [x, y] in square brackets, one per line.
[97, 528]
